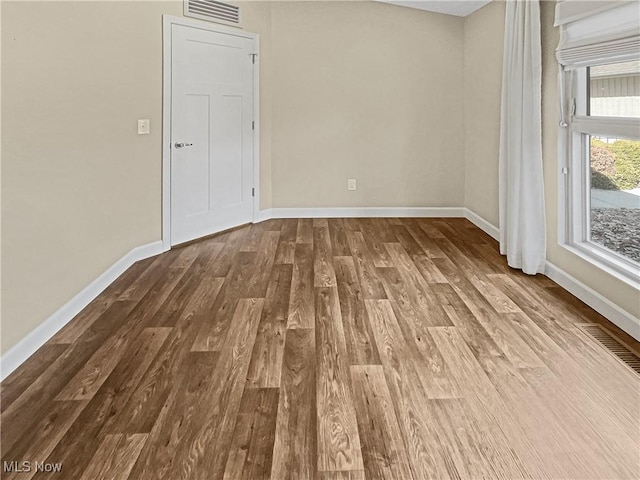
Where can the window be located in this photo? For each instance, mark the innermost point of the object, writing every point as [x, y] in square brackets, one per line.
[600, 140]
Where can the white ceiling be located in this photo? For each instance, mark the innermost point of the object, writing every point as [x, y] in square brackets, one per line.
[460, 8]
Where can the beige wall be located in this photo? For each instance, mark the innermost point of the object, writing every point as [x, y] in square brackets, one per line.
[477, 46]
[364, 90]
[367, 91]
[79, 187]
[483, 38]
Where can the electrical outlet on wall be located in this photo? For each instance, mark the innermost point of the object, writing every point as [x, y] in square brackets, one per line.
[351, 184]
[143, 126]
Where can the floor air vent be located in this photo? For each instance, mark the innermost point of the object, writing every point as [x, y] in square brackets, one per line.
[213, 11]
[613, 345]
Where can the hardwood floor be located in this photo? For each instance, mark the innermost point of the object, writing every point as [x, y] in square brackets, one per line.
[329, 349]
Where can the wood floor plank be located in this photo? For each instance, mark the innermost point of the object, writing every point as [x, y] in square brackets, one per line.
[266, 360]
[428, 269]
[369, 281]
[374, 237]
[305, 231]
[186, 255]
[342, 475]
[130, 371]
[142, 409]
[20, 379]
[295, 451]
[502, 333]
[88, 380]
[599, 448]
[408, 242]
[323, 271]
[85, 384]
[183, 410]
[408, 395]
[383, 448]
[468, 443]
[212, 334]
[171, 309]
[289, 230]
[287, 243]
[226, 395]
[32, 405]
[77, 447]
[426, 242]
[544, 431]
[101, 365]
[512, 458]
[115, 457]
[351, 224]
[420, 294]
[361, 345]
[301, 303]
[338, 439]
[209, 260]
[285, 254]
[425, 357]
[221, 266]
[477, 338]
[253, 438]
[339, 244]
[202, 443]
[149, 277]
[41, 440]
[436, 377]
[252, 237]
[256, 287]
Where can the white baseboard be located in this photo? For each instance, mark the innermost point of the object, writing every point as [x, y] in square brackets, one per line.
[262, 215]
[26, 347]
[34, 340]
[364, 212]
[483, 224]
[600, 304]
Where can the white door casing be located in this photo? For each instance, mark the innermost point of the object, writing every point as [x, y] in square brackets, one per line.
[210, 176]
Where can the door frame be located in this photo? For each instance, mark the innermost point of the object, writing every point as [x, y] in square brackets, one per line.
[167, 22]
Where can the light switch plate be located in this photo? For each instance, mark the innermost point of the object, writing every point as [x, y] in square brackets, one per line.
[143, 126]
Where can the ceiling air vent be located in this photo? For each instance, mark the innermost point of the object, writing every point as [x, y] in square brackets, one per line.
[213, 11]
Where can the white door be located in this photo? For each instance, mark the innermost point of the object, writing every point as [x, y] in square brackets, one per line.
[211, 132]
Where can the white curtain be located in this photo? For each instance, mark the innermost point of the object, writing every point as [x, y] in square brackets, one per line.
[522, 221]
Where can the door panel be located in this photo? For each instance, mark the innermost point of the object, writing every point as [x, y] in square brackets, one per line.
[211, 112]
[227, 181]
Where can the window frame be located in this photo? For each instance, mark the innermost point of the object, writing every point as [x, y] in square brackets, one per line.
[575, 173]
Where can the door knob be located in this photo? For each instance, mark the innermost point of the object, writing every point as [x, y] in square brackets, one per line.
[181, 145]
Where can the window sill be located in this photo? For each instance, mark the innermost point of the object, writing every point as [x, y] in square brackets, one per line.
[608, 263]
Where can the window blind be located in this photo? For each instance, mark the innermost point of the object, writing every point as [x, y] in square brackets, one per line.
[571, 10]
[595, 33]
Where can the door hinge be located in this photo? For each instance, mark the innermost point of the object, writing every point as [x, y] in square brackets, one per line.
[253, 57]
[253, 125]
[253, 192]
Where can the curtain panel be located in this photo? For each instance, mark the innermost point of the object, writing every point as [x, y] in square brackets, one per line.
[521, 189]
